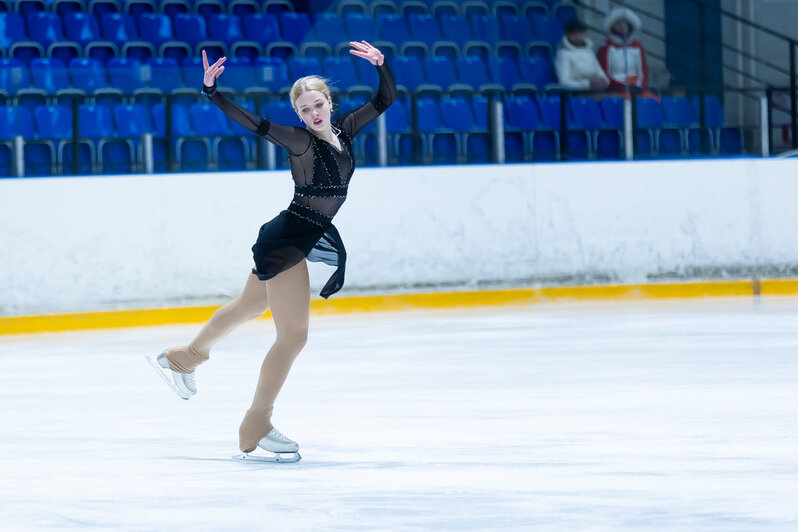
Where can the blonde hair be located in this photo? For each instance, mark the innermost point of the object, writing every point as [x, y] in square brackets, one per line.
[308, 83]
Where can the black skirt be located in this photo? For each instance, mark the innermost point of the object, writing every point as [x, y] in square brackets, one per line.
[287, 239]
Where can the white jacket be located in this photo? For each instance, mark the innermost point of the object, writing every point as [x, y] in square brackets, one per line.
[577, 65]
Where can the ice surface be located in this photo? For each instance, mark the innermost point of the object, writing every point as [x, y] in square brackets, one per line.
[656, 416]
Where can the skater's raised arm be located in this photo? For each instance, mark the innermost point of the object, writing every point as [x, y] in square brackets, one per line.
[294, 139]
[358, 118]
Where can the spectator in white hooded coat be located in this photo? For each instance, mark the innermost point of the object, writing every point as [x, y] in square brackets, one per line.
[576, 64]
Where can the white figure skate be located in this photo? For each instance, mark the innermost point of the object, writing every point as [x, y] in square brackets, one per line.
[182, 383]
[281, 448]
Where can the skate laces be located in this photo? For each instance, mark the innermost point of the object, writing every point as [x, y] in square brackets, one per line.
[276, 435]
[188, 379]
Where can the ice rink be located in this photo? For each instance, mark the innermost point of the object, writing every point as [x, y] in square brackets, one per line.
[635, 416]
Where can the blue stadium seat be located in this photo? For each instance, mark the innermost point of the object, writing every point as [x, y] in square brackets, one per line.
[565, 13]
[26, 7]
[361, 27]
[296, 27]
[525, 133]
[100, 8]
[63, 7]
[586, 115]
[239, 74]
[531, 9]
[367, 73]
[156, 28]
[400, 134]
[679, 121]
[440, 71]
[440, 146]
[486, 27]
[191, 29]
[113, 155]
[536, 70]
[649, 124]
[87, 74]
[341, 72]
[228, 153]
[612, 111]
[165, 74]
[393, 28]
[455, 28]
[45, 28]
[548, 29]
[125, 74]
[304, 66]
[14, 75]
[242, 8]
[505, 7]
[118, 28]
[329, 28]
[474, 8]
[409, 72]
[12, 29]
[262, 28]
[726, 140]
[137, 8]
[226, 28]
[14, 120]
[272, 73]
[413, 7]
[425, 28]
[474, 72]
[515, 28]
[282, 113]
[132, 120]
[505, 71]
[173, 8]
[208, 8]
[81, 28]
[50, 75]
[278, 7]
[458, 115]
[54, 123]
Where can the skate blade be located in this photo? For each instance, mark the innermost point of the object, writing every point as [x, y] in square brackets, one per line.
[154, 363]
[277, 458]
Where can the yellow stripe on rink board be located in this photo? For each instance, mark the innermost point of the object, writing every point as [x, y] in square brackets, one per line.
[398, 302]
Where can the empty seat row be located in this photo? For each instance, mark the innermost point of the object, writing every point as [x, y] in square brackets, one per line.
[241, 74]
[137, 7]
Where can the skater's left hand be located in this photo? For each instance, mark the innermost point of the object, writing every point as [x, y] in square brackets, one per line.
[367, 51]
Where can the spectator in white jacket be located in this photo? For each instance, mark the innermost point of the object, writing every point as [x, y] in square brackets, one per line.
[576, 63]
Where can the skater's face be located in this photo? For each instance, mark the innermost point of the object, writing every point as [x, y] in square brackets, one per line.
[314, 108]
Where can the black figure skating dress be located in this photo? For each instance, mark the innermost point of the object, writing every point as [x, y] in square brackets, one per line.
[321, 178]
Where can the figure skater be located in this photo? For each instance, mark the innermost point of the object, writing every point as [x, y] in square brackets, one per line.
[322, 164]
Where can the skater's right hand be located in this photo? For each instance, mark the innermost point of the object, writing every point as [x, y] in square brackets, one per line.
[213, 71]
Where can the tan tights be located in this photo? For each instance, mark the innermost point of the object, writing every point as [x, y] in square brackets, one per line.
[288, 295]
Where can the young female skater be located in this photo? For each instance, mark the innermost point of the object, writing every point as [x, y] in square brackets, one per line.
[321, 166]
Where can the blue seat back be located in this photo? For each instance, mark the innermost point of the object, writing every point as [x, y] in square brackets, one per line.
[125, 74]
[54, 122]
[181, 123]
[612, 111]
[505, 71]
[226, 28]
[393, 28]
[87, 74]
[713, 111]
[81, 28]
[515, 28]
[678, 111]
[271, 73]
[132, 120]
[586, 113]
[296, 27]
[361, 26]
[190, 28]
[329, 28]
[341, 71]
[208, 120]
[118, 28]
[424, 28]
[304, 66]
[440, 71]
[409, 71]
[165, 74]
[262, 28]
[95, 122]
[486, 27]
[473, 71]
[282, 113]
[429, 115]
[156, 28]
[14, 75]
[649, 113]
[45, 28]
[547, 29]
[50, 75]
[457, 114]
[535, 70]
[12, 29]
[16, 120]
[455, 28]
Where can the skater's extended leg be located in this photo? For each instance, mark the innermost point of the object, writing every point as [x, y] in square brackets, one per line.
[289, 296]
[250, 304]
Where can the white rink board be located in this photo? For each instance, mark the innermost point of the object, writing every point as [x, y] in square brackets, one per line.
[626, 417]
[74, 244]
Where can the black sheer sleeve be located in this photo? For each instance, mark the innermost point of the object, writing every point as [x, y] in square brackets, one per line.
[294, 139]
[358, 118]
